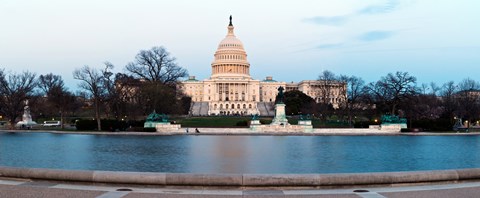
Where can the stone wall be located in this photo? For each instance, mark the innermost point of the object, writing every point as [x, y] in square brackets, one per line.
[243, 180]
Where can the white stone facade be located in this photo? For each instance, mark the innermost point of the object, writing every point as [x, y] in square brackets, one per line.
[230, 90]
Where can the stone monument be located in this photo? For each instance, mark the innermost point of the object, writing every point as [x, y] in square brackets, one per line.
[393, 122]
[26, 118]
[280, 122]
[255, 120]
[160, 122]
[280, 116]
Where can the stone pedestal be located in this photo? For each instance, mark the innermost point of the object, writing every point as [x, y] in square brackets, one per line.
[305, 122]
[150, 124]
[162, 126]
[280, 116]
[254, 122]
[306, 125]
[167, 127]
[392, 127]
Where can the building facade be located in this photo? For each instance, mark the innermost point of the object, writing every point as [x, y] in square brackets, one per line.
[231, 90]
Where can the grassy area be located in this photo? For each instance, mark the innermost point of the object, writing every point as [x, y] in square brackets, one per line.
[243, 122]
[218, 122]
[213, 121]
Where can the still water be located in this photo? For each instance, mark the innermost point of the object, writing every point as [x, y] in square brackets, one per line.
[239, 154]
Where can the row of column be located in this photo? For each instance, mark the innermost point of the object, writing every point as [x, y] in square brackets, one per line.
[242, 69]
[230, 57]
[232, 91]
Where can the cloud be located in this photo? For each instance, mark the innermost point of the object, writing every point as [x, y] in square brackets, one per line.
[389, 6]
[333, 21]
[384, 8]
[376, 35]
[330, 46]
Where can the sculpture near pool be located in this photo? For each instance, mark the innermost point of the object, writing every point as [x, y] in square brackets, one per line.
[27, 121]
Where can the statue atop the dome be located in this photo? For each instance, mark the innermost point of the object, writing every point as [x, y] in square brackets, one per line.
[230, 21]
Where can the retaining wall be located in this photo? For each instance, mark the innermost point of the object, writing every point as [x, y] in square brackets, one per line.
[242, 180]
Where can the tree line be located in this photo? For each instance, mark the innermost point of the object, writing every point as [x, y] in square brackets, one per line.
[150, 83]
[395, 94]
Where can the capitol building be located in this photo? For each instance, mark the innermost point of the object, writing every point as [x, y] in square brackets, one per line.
[230, 90]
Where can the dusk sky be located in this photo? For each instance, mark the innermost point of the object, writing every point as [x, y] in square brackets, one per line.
[434, 40]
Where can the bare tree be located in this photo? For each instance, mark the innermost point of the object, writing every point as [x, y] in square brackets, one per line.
[435, 88]
[130, 99]
[355, 87]
[424, 87]
[156, 65]
[326, 80]
[50, 81]
[469, 99]
[111, 97]
[15, 89]
[449, 102]
[393, 89]
[57, 95]
[92, 81]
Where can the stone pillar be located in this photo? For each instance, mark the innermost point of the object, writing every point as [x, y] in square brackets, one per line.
[280, 116]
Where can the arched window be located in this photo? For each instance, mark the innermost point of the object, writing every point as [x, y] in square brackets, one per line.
[244, 106]
[233, 106]
[238, 106]
[250, 106]
[221, 106]
[215, 106]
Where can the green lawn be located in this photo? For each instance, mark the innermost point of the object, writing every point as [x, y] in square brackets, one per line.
[213, 121]
[242, 122]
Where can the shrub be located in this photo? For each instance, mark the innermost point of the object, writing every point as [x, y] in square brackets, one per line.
[107, 125]
[432, 125]
[265, 121]
[149, 130]
[135, 129]
[364, 124]
[242, 123]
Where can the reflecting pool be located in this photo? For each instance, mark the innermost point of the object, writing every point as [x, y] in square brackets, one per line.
[239, 154]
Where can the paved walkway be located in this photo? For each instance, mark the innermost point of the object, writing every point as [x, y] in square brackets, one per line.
[15, 188]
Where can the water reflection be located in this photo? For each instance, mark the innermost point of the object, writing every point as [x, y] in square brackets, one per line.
[239, 154]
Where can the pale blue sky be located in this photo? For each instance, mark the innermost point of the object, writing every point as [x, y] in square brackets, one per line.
[434, 40]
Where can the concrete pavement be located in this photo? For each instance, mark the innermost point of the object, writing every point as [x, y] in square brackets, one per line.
[29, 188]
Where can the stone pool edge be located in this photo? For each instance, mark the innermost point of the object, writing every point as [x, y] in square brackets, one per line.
[243, 180]
[235, 131]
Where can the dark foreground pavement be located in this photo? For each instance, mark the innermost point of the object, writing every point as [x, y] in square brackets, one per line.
[27, 188]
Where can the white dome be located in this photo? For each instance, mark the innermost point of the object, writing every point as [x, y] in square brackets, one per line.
[230, 42]
[230, 58]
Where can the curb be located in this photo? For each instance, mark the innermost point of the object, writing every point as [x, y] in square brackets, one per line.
[242, 180]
